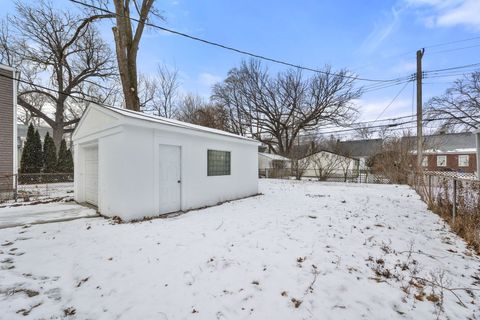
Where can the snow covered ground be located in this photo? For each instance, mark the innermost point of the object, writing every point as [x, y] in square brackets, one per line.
[303, 250]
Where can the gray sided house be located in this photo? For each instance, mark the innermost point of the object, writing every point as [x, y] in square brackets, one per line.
[361, 150]
[8, 129]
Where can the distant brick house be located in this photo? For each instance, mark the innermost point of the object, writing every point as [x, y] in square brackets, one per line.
[450, 152]
[8, 126]
[443, 152]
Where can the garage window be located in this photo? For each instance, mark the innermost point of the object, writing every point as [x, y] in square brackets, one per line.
[218, 163]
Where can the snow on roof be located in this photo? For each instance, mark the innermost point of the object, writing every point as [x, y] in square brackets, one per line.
[458, 150]
[273, 156]
[172, 122]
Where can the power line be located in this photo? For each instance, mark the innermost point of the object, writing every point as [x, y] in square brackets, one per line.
[226, 47]
[442, 44]
[57, 91]
[391, 102]
[454, 49]
[454, 68]
[391, 126]
[383, 126]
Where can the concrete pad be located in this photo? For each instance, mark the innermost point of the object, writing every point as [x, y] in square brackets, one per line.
[43, 213]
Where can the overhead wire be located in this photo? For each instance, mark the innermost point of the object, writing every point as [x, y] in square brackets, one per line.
[230, 48]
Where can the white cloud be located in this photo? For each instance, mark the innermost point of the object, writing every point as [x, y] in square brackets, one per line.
[371, 109]
[382, 30]
[448, 13]
[207, 79]
[404, 67]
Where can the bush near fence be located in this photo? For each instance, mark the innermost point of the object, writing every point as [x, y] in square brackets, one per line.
[456, 199]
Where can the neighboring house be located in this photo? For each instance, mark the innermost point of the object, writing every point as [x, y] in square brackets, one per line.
[133, 165]
[273, 165]
[362, 150]
[270, 161]
[8, 123]
[450, 152]
[326, 164]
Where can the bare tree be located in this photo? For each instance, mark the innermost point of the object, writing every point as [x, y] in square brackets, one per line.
[301, 156]
[195, 110]
[325, 164]
[276, 110]
[63, 52]
[131, 17]
[166, 94]
[460, 104]
[147, 88]
[364, 131]
[396, 159]
[336, 160]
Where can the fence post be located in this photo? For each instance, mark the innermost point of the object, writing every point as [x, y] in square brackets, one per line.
[15, 188]
[454, 201]
[429, 186]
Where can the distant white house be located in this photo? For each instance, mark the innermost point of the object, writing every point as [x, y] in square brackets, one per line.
[270, 161]
[133, 165]
[326, 164]
[273, 165]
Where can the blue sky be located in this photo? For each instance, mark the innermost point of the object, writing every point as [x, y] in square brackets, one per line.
[374, 38]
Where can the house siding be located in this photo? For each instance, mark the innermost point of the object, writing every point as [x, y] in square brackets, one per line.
[7, 114]
[452, 163]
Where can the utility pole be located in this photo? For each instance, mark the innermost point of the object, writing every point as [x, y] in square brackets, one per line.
[419, 109]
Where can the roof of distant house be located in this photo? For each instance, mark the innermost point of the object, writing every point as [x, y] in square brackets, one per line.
[361, 148]
[272, 156]
[449, 142]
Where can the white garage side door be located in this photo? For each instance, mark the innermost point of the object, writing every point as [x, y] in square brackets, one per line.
[91, 175]
[169, 179]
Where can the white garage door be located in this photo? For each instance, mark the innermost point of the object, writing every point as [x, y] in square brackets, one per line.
[91, 175]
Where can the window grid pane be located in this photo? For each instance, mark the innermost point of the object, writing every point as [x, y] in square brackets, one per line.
[463, 160]
[218, 163]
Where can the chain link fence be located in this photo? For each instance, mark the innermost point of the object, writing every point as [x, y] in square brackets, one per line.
[455, 198]
[362, 176]
[26, 187]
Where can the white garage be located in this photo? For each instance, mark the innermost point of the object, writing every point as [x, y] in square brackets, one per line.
[133, 165]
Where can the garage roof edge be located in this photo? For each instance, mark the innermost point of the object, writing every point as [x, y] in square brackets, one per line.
[171, 122]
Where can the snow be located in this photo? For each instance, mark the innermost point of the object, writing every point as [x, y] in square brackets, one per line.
[343, 250]
[273, 156]
[173, 122]
[41, 213]
[458, 150]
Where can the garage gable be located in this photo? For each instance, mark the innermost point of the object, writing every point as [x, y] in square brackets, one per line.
[94, 120]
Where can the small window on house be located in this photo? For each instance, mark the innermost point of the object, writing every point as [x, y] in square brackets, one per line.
[425, 161]
[218, 163]
[441, 161]
[463, 160]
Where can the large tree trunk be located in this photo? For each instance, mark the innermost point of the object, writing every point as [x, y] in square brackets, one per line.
[57, 136]
[126, 44]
